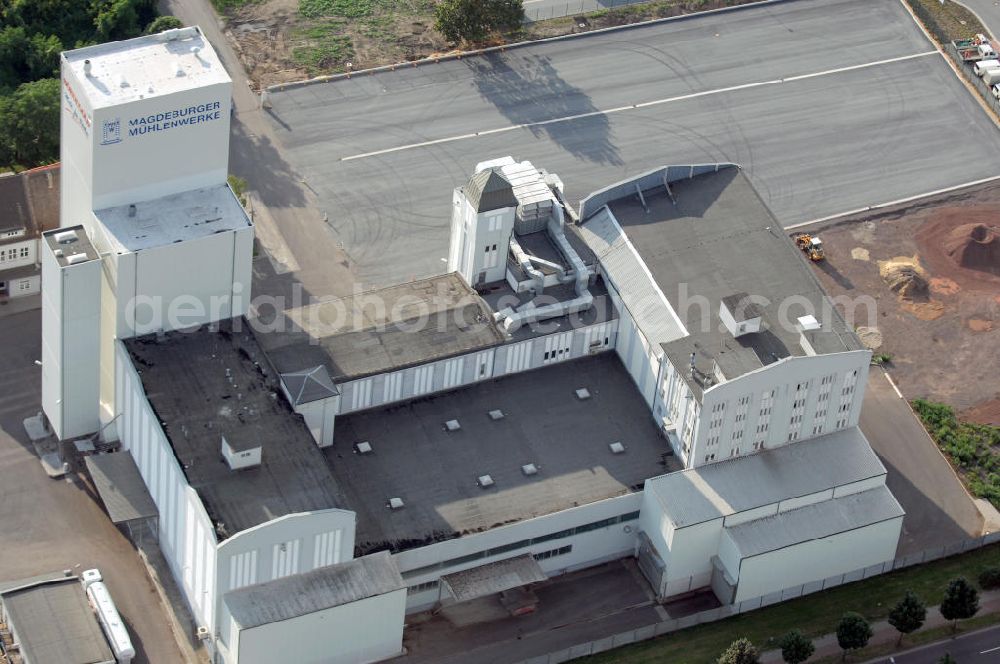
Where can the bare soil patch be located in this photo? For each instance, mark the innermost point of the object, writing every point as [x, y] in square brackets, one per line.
[942, 324]
[280, 41]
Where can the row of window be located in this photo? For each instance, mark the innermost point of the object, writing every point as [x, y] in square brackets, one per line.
[513, 546]
[14, 253]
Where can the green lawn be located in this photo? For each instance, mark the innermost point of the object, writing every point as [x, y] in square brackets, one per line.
[814, 615]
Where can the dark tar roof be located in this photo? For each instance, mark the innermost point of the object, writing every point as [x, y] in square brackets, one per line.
[742, 307]
[384, 330]
[54, 621]
[206, 384]
[720, 240]
[489, 190]
[434, 471]
[323, 588]
[121, 487]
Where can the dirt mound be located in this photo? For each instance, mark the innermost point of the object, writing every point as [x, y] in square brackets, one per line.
[963, 244]
[904, 276]
[975, 247]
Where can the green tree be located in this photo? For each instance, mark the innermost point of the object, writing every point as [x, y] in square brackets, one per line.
[796, 648]
[164, 23]
[740, 651]
[474, 20]
[908, 615]
[29, 122]
[853, 632]
[989, 578]
[71, 21]
[122, 19]
[961, 601]
[946, 659]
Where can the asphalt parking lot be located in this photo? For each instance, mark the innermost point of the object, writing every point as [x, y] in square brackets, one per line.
[51, 525]
[830, 106]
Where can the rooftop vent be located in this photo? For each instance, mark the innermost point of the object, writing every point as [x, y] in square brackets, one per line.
[76, 258]
[484, 481]
[363, 447]
[87, 67]
[496, 415]
[808, 323]
[122, 81]
[616, 448]
[66, 237]
[740, 314]
[395, 504]
[582, 394]
[240, 456]
[452, 425]
[529, 469]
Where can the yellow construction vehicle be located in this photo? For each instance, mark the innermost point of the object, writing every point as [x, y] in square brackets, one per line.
[811, 245]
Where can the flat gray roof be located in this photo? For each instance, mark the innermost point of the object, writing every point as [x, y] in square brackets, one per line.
[323, 588]
[71, 240]
[816, 521]
[206, 384]
[121, 487]
[435, 471]
[719, 239]
[175, 218]
[742, 483]
[384, 330]
[54, 622]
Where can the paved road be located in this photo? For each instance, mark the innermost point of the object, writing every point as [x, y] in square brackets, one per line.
[988, 12]
[826, 142]
[289, 225]
[982, 647]
[938, 509]
[51, 525]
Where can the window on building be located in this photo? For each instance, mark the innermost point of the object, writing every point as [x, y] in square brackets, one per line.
[561, 551]
[422, 587]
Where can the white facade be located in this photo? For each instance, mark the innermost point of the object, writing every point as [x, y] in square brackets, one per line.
[368, 630]
[18, 254]
[480, 240]
[166, 95]
[204, 567]
[71, 329]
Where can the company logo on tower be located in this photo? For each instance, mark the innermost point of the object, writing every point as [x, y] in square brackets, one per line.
[111, 131]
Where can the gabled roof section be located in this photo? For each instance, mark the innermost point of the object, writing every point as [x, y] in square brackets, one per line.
[490, 190]
[317, 590]
[309, 385]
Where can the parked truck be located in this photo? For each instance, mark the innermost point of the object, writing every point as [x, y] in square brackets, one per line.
[107, 615]
[991, 77]
[984, 66]
[978, 48]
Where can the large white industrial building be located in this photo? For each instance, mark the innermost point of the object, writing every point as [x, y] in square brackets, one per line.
[655, 374]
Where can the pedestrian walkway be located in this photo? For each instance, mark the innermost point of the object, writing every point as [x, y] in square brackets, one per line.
[826, 646]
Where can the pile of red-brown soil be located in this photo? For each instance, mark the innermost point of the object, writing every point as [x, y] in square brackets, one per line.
[963, 244]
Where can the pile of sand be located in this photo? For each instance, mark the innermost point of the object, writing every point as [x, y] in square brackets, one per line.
[904, 276]
[871, 337]
[974, 247]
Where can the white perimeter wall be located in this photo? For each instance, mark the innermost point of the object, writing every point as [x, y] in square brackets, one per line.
[817, 559]
[589, 548]
[641, 360]
[365, 631]
[186, 536]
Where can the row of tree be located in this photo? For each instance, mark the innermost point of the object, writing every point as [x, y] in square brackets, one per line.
[32, 35]
[960, 602]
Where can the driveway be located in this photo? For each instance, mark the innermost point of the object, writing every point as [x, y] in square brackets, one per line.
[51, 525]
[988, 12]
[938, 509]
[830, 106]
